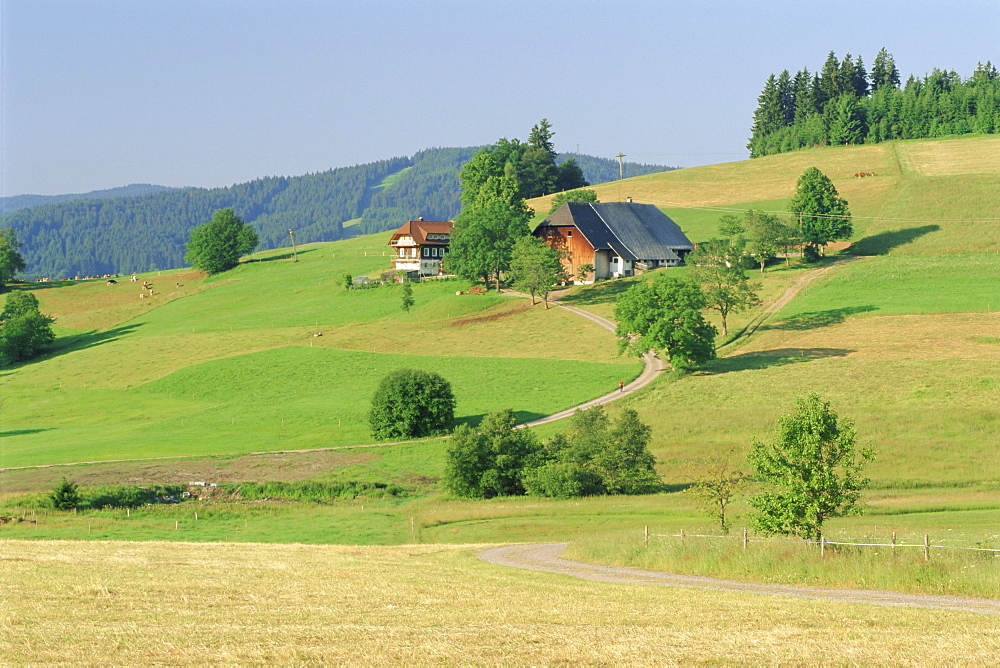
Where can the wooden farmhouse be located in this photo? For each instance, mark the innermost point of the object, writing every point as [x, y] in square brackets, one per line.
[615, 238]
[420, 246]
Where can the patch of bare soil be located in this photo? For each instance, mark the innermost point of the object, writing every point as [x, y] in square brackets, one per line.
[279, 466]
[505, 311]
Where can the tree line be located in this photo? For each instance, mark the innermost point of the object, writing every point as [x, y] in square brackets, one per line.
[843, 103]
[106, 232]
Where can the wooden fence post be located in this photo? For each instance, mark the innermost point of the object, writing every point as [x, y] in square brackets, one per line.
[744, 538]
[893, 543]
[822, 546]
[927, 548]
[645, 536]
[682, 537]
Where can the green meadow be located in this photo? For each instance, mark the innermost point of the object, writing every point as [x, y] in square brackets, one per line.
[227, 376]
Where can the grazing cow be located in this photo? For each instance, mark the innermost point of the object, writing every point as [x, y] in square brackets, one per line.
[133, 279]
[112, 282]
[142, 295]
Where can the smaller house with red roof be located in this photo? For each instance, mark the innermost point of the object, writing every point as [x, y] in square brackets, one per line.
[421, 245]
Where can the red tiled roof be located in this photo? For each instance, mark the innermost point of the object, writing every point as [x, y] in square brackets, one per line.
[419, 229]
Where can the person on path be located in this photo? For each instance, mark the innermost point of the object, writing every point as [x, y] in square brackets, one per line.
[621, 385]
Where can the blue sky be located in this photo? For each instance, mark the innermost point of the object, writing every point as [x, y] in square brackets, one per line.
[102, 93]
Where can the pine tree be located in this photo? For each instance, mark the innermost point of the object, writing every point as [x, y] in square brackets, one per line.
[884, 72]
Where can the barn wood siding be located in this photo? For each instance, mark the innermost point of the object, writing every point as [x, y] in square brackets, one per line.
[575, 248]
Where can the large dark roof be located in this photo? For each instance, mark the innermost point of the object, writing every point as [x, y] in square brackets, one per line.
[630, 230]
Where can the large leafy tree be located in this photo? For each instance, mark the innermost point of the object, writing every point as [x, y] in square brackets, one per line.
[482, 243]
[410, 403]
[488, 460]
[717, 266]
[218, 245]
[11, 260]
[665, 314]
[24, 330]
[821, 214]
[535, 267]
[811, 470]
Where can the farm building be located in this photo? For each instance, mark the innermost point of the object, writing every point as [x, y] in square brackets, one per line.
[421, 246]
[615, 238]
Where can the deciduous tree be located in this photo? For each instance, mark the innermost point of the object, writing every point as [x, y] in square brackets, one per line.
[11, 260]
[716, 265]
[820, 212]
[488, 460]
[535, 267]
[410, 403]
[578, 195]
[218, 245]
[665, 314]
[811, 470]
[718, 480]
[485, 232]
[24, 330]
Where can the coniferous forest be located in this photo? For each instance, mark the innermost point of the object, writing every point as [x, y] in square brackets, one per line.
[843, 103]
[101, 233]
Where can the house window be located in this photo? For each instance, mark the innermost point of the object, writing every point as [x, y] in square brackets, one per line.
[569, 233]
[427, 252]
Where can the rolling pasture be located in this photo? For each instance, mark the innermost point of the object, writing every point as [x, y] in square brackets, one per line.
[232, 364]
[904, 339]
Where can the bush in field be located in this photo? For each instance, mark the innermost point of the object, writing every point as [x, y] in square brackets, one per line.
[24, 330]
[488, 460]
[596, 456]
[65, 496]
[410, 403]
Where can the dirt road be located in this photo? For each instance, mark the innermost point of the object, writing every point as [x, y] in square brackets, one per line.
[547, 558]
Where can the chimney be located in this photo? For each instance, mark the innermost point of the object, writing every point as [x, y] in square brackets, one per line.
[628, 199]
[420, 218]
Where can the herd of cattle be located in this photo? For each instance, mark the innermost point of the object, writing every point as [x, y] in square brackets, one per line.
[147, 288]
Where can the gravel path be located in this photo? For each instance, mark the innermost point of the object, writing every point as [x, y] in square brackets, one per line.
[547, 557]
[652, 367]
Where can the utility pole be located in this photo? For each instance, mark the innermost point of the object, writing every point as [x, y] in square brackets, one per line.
[295, 255]
[621, 166]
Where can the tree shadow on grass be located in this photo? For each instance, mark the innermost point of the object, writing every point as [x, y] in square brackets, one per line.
[816, 319]
[600, 293]
[22, 432]
[283, 256]
[75, 342]
[766, 359]
[883, 242]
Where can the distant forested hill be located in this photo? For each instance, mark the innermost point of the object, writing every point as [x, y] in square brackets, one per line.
[86, 235]
[17, 202]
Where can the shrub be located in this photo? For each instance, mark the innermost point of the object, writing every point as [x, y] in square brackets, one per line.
[65, 496]
[410, 403]
[489, 460]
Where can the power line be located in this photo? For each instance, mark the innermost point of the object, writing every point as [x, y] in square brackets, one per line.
[721, 209]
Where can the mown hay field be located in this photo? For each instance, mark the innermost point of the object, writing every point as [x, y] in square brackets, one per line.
[157, 603]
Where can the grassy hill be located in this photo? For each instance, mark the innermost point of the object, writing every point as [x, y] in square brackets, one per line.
[230, 364]
[903, 339]
[927, 196]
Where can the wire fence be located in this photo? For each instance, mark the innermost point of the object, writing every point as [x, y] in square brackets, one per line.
[823, 542]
